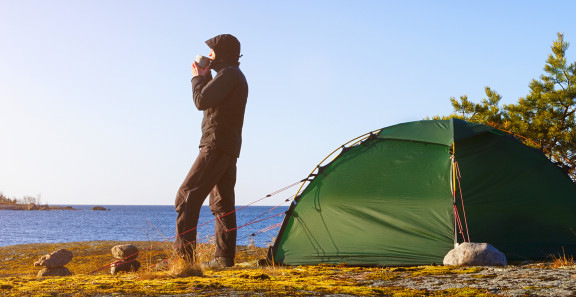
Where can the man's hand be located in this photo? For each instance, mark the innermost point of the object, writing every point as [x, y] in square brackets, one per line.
[199, 71]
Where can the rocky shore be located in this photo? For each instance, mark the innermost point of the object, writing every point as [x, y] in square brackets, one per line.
[91, 276]
[513, 280]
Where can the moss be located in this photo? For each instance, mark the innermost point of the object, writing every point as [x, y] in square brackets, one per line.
[18, 278]
[531, 288]
[484, 276]
[444, 270]
[234, 280]
[382, 274]
[6, 287]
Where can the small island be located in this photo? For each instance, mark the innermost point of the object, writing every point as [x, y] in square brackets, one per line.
[27, 203]
[33, 206]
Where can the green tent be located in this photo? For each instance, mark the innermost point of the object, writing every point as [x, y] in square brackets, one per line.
[406, 194]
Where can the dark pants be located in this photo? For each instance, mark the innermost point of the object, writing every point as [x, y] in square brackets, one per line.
[214, 173]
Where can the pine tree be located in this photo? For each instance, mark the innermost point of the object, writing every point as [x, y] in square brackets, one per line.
[545, 116]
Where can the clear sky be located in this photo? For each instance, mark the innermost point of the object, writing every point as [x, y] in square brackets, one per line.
[95, 96]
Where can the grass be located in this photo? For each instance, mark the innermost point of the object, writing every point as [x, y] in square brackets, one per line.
[562, 260]
[162, 275]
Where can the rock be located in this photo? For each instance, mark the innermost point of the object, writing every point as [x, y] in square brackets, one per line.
[54, 271]
[125, 252]
[58, 258]
[124, 266]
[98, 208]
[475, 254]
[162, 266]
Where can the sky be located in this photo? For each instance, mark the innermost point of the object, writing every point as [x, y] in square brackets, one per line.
[95, 96]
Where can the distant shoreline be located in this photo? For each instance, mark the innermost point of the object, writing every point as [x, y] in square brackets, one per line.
[32, 206]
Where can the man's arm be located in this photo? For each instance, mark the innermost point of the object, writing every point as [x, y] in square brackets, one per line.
[209, 93]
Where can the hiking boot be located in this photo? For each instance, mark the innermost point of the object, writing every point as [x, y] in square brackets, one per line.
[218, 262]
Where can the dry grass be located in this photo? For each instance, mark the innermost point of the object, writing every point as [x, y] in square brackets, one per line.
[180, 267]
[562, 260]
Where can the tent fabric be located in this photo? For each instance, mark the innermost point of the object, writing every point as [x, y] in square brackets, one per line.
[440, 132]
[515, 198]
[353, 193]
[388, 200]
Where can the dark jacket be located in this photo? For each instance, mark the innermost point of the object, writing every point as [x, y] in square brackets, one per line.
[222, 98]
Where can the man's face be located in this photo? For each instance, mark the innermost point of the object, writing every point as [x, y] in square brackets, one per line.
[212, 54]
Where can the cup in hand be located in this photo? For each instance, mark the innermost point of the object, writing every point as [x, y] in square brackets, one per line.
[202, 61]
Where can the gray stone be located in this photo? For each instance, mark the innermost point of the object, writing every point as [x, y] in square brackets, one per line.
[125, 252]
[54, 271]
[475, 254]
[162, 266]
[124, 266]
[58, 258]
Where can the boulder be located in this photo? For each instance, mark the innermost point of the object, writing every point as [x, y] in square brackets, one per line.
[55, 259]
[124, 266]
[125, 252]
[54, 271]
[475, 254]
[98, 208]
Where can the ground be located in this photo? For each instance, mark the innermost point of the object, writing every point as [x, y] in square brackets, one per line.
[92, 276]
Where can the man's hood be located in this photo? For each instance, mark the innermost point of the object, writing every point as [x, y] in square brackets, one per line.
[227, 49]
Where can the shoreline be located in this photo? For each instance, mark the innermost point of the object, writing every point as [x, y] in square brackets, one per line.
[32, 206]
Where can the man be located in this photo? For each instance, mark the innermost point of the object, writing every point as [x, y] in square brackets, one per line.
[223, 101]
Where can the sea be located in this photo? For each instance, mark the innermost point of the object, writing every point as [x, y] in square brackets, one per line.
[257, 225]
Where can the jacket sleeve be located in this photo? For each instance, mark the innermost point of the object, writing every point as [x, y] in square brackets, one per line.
[208, 93]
